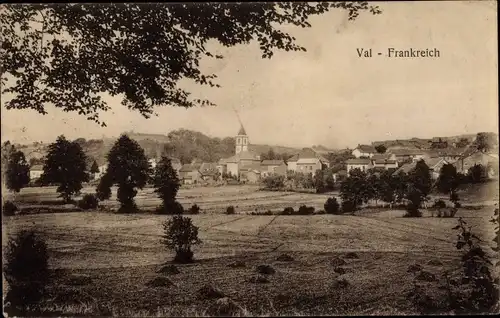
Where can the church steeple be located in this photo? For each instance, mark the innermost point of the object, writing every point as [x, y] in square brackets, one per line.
[241, 140]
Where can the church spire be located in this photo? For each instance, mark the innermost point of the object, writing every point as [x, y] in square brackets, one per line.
[242, 131]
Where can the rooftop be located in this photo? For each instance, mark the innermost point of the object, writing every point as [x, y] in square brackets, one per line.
[272, 162]
[242, 131]
[366, 148]
[359, 161]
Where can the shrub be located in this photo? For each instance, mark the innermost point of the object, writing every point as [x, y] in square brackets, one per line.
[412, 211]
[348, 206]
[88, 202]
[439, 204]
[25, 269]
[230, 210]
[171, 208]
[305, 210]
[288, 211]
[332, 206]
[195, 209]
[9, 208]
[179, 235]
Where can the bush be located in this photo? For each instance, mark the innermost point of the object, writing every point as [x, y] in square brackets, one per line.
[288, 211]
[230, 210]
[9, 208]
[439, 204]
[88, 202]
[179, 235]
[195, 209]
[348, 206]
[305, 210]
[25, 269]
[172, 208]
[332, 206]
[412, 211]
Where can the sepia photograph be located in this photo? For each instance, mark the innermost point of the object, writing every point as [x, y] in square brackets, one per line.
[334, 158]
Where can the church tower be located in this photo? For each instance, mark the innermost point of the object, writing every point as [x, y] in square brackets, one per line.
[241, 141]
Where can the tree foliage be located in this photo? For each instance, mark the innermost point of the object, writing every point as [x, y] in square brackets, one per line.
[128, 168]
[68, 54]
[381, 148]
[17, 171]
[274, 182]
[26, 269]
[65, 165]
[477, 174]
[448, 180]
[166, 183]
[354, 189]
[485, 142]
[480, 291]
[419, 178]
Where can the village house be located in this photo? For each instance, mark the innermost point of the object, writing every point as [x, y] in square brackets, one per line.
[309, 161]
[489, 161]
[36, 172]
[273, 167]
[363, 164]
[243, 158]
[364, 151]
[384, 161]
[252, 173]
[190, 173]
[405, 154]
[209, 172]
[292, 162]
[434, 164]
[451, 154]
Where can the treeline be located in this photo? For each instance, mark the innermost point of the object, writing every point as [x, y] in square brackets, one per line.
[128, 168]
[411, 189]
[322, 181]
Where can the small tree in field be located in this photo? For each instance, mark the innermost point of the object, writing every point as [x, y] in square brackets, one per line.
[129, 168]
[166, 184]
[26, 270]
[17, 173]
[66, 166]
[180, 235]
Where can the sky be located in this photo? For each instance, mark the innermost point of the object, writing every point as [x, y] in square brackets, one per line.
[328, 95]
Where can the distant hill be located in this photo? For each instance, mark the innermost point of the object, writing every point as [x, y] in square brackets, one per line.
[183, 144]
[423, 143]
[187, 145]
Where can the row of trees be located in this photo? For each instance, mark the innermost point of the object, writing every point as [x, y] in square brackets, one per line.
[128, 168]
[321, 181]
[411, 188]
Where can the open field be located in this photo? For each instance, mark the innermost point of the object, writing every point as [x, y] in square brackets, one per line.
[245, 198]
[119, 254]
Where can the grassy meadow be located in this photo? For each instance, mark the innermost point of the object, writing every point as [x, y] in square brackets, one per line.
[103, 262]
